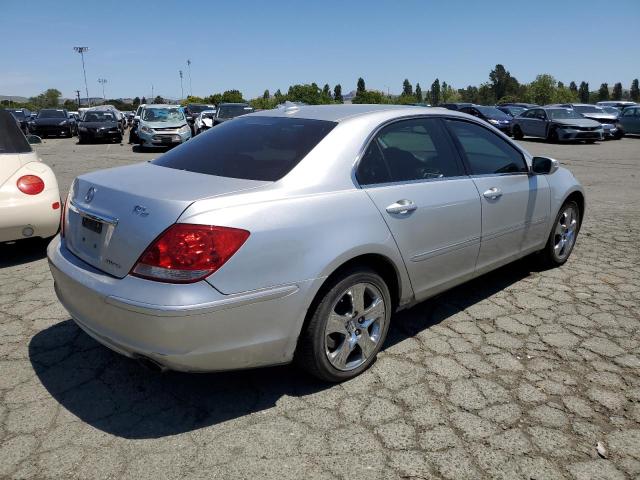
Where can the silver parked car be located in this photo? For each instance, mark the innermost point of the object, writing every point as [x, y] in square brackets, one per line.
[296, 233]
[556, 124]
[162, 126]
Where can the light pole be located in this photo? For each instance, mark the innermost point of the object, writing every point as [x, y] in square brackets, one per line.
[181, 89]
[102, 81]
[190, 86]
[81, 51]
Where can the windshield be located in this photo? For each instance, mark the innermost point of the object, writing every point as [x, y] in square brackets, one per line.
[51, 114]
[198, 108]
[251, 148]
[232, 111]
[563, 114]
[12, 139]
[515, 111]
[19, 114]
[162, 114]
[492, 112]
[99, 117]
[587, 109]
[611, 110]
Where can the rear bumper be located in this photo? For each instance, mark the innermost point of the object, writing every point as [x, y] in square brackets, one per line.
[182, 327]
[35, 213]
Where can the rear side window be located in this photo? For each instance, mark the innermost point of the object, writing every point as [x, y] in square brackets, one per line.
[408, 150]
[251, 148]
[486, 152]
[12, 140]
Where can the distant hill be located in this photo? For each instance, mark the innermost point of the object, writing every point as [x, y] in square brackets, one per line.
[14, 98]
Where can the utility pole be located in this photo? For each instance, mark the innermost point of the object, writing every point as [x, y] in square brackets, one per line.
[102, 81]
[152, 97]
[190, 86]
[181, 89]
[78, 95]
[81, 51]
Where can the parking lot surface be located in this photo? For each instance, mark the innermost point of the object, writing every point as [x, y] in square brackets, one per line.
[516, 375]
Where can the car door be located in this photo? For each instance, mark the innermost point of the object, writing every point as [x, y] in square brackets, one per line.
[515, 205]
[630, 120]
[525, 121]
[413, 174]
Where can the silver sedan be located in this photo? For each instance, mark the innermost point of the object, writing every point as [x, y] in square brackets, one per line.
[294, 234]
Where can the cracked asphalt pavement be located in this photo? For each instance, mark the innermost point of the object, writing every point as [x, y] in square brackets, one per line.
[515, 375]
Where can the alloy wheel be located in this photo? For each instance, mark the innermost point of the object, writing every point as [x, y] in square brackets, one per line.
[564, 236]
[355, 325]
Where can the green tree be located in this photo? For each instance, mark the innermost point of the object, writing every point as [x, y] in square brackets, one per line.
[70, 104]
[232, 96]
[617, 91]
[337, 94]
[266, 95]
[310, 94]
[542, 90]
[407, 88]
[603, 92]
[144, 100]
[560, 85]
[469, 94]
[583, 92]
[194, 99]
[361, 86]
[278, 94]
[418, 93]
[634, 91]
[158, 99]
[370, 96]
[486, 95]
[574, 88]
[435, 93]
[502, 82]
[326, 94]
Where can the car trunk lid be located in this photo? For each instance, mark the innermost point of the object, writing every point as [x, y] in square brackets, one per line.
[115, 214]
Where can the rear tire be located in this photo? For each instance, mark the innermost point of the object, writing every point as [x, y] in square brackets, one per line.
[517, 132]
[563, 236]
[348, 325]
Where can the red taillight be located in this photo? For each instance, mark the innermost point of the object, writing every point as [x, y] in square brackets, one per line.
[186, 253]
[30, 184]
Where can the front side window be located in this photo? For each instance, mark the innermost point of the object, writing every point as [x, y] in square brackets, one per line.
[485, 151]
[12, 140]
[630, 112]
[408, 150]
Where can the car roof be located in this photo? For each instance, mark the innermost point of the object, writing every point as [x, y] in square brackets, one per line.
[160, 105]
[338, 113]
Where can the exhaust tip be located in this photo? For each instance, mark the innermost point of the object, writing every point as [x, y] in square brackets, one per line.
[150, 364]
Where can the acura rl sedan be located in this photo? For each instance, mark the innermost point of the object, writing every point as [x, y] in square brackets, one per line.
[294, 234]
[556, 124]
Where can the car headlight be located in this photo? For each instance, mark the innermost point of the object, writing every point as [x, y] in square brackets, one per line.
[146, 129]
[184, 129]
[64, 122]
[493, 122]
[82, 129]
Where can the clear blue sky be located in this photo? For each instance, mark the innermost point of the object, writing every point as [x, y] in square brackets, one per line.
[253, 45]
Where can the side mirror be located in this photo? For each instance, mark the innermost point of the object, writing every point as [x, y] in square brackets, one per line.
[33, 139]
[544, 165]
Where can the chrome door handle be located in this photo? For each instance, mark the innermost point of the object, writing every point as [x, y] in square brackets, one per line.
[493, 193]
[402, 207]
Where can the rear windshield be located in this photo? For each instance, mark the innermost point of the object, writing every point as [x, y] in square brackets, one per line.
[19, 114]
[251, 148]
[12, 140]
[198, 108]
[587, 109]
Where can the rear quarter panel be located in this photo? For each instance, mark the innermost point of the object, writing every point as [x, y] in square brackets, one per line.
[300, 238]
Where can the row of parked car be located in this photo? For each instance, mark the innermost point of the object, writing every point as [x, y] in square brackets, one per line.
[559, 122]
[159, 125]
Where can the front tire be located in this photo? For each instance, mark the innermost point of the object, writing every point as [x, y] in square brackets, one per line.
[552, 135]
[517, 132]
[563, 237]
[348, 326]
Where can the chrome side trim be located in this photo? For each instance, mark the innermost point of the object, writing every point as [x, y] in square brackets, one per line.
[232, 301]
[514, 228]
[446, 249]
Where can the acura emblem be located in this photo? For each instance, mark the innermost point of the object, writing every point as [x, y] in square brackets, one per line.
[90, 193]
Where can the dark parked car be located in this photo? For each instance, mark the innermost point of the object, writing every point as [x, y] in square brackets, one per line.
[511, 110]
[455, 106]
[22, 115]
[556, 124]
[227, 111]
[53, 121]
[520, 104]
[496, 118]
[99, 125]
[630, 120]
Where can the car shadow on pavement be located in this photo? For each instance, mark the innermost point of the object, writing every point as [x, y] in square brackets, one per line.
[118, 396]
[22, 251]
